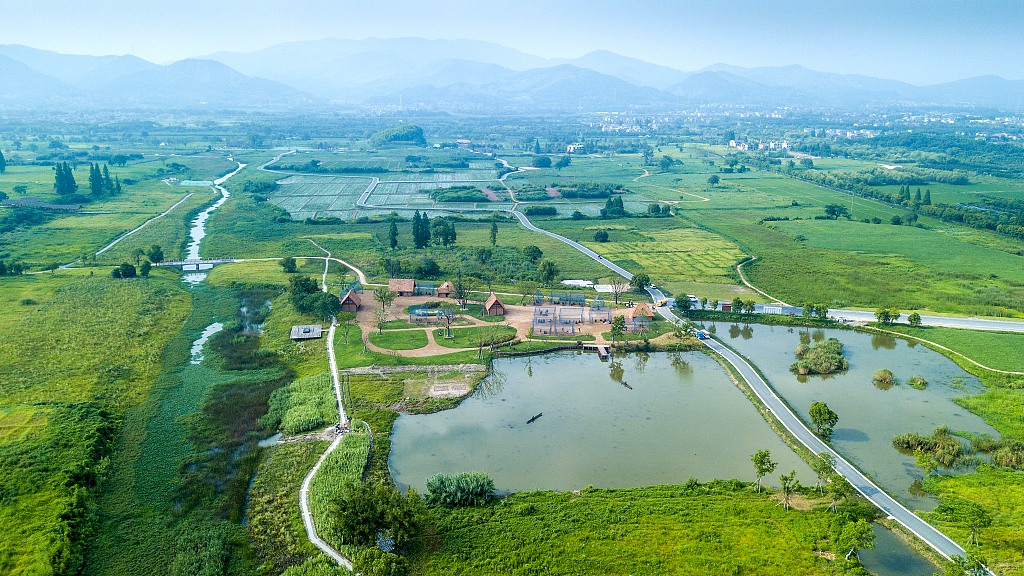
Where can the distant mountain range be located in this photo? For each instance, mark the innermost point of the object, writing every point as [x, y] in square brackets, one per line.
[461, 75]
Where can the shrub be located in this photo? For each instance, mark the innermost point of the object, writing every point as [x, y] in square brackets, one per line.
[464, 489]
[373, 562]
[941, 445]
[821, 358]
[1010, 455]
[917, 382]
[883, 378]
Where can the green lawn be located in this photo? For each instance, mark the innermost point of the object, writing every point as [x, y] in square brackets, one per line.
[399, 339]
[470, 337]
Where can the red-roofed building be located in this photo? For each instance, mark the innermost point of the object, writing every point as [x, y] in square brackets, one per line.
[350, 302]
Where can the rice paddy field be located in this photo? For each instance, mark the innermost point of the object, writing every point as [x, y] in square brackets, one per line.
[313, 196]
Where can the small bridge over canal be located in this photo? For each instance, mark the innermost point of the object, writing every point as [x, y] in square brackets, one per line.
[195, 265]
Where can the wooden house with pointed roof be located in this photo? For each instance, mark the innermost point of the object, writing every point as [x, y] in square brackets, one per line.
[493, 306]
[445, 290]
[350, 302]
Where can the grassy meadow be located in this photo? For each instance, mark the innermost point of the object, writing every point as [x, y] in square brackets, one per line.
[68, 379]
[711, 528]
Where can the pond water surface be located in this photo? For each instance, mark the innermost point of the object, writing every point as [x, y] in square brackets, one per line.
[869, 417]
[680, 416]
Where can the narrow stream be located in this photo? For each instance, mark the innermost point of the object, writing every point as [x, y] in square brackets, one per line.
[197, 346]
[198, 230]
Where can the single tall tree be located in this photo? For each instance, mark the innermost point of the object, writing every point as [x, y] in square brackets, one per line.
[823, 418]
[3, 163]
[763, 465]
[618, 328]
[494, 233]
[95, 181]
[789, 484]
[393, 235]
[823, 466]
[619, 286]
[384, 296]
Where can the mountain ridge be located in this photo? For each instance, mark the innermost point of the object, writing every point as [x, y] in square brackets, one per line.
[452, 74]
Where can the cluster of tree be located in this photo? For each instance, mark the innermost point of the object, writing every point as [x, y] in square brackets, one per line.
[404, 134]
[306, 296]
[1004, 216]
[613, 208]
[442, 231]
[601, 236]
[836, 211]
[420, 230]
[541, 162]
[11, 220]
[64, 180]
[259, 186]
[740, 305]
[11, 268]
[590, 190]
[123, 159]
[100, 183]
[459, 194]
[317, 167]
[887, 315]
[127, 270]
[367, 511]
[658, 211]
[825, 357]
[541, 211]
[480, 264]
[819, 311]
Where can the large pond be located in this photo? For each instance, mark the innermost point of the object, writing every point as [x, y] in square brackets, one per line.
[868, 416]
[639, 420]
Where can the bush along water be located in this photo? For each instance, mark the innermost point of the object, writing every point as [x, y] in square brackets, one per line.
[822, 358]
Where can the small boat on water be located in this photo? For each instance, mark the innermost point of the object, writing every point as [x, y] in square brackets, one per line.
[626, 384]
[532, 420]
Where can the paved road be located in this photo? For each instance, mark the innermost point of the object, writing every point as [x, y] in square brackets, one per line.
[962, 322]
[946, 321]
[587, 251]
[937, 540]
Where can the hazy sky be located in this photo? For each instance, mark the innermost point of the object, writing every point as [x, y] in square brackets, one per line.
[913, 40]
